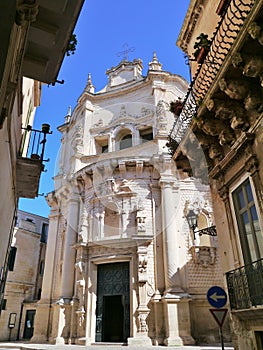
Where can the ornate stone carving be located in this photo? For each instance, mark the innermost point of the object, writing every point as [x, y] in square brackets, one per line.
[211, 127]
[226, 137]
[143, 328]
[161, 110]
[77, 140]
[84, 227]
[254, 102]
[113, 186]
[99, 124]
[236, 89]
[142, 264]
[256, 32]
[251, 164]
[26, 11]
[140, 223]
[252, 65]
[239, 122]
[204, 256]
[215, 151]
[81, 284]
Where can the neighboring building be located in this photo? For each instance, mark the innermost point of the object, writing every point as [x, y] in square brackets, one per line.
[224, 108]
[34, 36]
[25, 275]
[121, 263]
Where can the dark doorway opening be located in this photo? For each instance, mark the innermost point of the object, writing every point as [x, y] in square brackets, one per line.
[113, 317]
[29, 324]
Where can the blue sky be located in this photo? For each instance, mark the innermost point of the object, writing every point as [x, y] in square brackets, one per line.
[103, 28]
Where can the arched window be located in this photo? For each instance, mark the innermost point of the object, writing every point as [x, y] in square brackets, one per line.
[126, 141]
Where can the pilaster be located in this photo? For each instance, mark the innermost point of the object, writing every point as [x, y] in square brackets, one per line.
[67, 278]
[43, 318]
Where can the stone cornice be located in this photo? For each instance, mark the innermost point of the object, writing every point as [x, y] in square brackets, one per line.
[124, 89]
[189, 23]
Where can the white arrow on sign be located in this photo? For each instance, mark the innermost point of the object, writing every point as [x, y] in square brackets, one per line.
[216, 297]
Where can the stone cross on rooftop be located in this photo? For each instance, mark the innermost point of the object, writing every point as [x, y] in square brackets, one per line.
[125, 52]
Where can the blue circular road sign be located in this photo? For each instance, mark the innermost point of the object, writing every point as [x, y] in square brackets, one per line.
[216, 297]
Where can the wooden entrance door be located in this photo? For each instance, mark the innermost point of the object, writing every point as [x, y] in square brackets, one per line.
[113, 303]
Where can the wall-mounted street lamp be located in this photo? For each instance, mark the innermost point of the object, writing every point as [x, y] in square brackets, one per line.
[192, 218]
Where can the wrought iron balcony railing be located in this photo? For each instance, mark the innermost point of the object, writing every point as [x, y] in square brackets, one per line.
[36, 142]
[29, 163]
[245, 286]
[225, 35]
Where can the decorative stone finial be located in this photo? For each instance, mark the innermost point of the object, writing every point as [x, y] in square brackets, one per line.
[68, 116]
[155, 64]
[89, 87]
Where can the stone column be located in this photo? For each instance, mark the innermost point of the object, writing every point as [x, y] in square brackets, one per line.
[67, 278]
[170, 244]
[62, 309]
[175, 300]
[43, 316]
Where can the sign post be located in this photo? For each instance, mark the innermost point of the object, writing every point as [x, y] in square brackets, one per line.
[217, 298]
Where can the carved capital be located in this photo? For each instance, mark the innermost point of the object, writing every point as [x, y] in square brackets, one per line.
[52, 200]
[27, 11]
[256, 32]
[251, 165]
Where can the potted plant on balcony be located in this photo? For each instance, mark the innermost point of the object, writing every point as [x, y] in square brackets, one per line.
[201, 46]
[176, 107]
[222, 7]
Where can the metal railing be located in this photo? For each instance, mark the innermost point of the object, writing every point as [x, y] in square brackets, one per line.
[245, 286]
[225, 34]
[36, 142]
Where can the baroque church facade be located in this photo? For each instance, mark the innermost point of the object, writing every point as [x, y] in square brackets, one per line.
[122, 265]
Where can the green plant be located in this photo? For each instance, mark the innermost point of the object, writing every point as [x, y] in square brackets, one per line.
[202, 41]
[72, 44]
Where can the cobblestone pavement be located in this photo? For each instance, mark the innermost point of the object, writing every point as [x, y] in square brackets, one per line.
[30, 346]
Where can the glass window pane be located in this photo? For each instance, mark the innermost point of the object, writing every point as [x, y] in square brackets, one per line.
[241, 199]
[248, 224]
[249, 192]
[126, 142]
[254, 213]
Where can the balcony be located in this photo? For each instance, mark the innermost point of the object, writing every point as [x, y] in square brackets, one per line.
[48, 36]
[229, 29]
[245, 286]
[29, 163]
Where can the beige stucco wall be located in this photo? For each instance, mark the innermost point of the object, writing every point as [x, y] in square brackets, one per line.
[24, 281]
